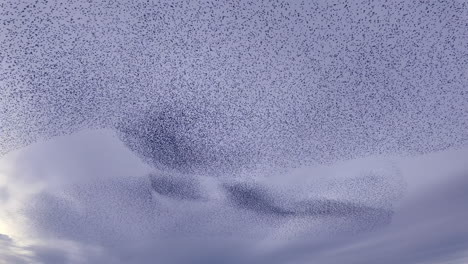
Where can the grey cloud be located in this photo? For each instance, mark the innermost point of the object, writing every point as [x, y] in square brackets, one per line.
[47, 255]
[99, 211]
[135, 219]
[5, 238]
[181, 217]
[14, 258]
[9, 252]
[429, 229]
[4, 194]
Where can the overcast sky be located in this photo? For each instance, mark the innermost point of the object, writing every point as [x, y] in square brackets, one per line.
[85, 198]
[233, 131]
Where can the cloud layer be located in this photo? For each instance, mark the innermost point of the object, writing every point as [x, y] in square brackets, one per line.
[117, 213]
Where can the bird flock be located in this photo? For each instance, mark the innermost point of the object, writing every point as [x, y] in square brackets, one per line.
[236, 83]
[217, 87]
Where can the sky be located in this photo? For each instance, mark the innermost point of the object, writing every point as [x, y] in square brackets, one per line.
[233, 131]
[86, 198]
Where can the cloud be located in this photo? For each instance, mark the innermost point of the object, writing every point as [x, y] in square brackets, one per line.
[49, 255]
[427, 229]
[348, 212]
[10, 252]
[4, 195]
[5, 238]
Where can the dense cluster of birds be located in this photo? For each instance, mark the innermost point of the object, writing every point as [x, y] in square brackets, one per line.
[203, 84]
[217, 87]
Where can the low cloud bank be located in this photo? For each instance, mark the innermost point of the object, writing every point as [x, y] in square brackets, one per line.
[95, 202]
